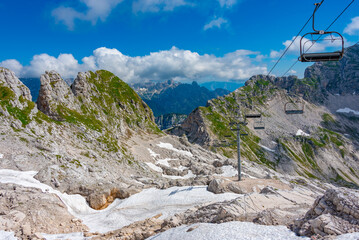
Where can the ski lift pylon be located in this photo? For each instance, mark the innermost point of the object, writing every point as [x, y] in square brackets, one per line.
[320, 56]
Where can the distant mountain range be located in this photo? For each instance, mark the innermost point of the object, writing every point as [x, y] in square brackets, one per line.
[230, 86]
[171, 97]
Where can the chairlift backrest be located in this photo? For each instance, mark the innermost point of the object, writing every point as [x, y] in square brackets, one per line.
[259, 124]
[294, 108]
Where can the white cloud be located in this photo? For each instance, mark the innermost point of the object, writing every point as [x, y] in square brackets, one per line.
[227, 3]
[352, 27]
[174, 64]
[96, 10]
[157, 5]
[13, 65]
[217, 22]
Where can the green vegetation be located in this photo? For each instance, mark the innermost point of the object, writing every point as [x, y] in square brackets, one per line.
[76, 162]
[72, 116]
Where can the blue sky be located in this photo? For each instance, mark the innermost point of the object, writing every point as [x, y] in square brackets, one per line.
[158, 40]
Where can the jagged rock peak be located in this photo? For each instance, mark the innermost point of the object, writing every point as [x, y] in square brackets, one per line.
[54, 93]
[9, 79]
[80, 86]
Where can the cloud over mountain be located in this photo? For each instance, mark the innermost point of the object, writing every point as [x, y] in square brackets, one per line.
[174, 64]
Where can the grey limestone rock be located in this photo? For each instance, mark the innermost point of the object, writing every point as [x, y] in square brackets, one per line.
[335, 213]
[55, 94]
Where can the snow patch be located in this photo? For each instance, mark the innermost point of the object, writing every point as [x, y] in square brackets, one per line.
[347, 110]
[228, 230]
[1, 155]
[72, 236]
[7, 235]
[267, 148]
[228, 171]
[154, 167]
[164, 162]
[152, 153]
[302, 133]
[120, 213]
[170, 147]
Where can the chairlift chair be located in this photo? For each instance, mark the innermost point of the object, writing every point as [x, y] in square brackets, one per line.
[259, 124]
[296, 107]
[253, 115]
[328, 36]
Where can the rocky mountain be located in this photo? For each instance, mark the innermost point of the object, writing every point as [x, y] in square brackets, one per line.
[230, 86]
[322, 143]
[147, 90]
[170, 101]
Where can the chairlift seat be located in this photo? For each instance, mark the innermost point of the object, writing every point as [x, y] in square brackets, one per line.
[294, 107]
[259, 126]
[253, 115]
[291, 111]
[321, 57]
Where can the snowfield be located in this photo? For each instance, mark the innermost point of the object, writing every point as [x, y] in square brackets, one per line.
[146, 204]
[235, 231]
[170, 147]
[7, 235]
[228, 231]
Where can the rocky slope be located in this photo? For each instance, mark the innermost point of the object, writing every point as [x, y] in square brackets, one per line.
[321, 143]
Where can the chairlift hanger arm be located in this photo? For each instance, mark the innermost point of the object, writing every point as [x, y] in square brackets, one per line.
[317, 5]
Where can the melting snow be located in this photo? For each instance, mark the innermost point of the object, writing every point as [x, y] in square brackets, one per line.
[267, 148]
[154, 167]
[228, 171]
[164, 162]
[229, 230]
[153, 154]
[170, 147]
[1, 155]
[347, 110]
[120, 213]
[72, 236]
[7, 235]
[301, 133]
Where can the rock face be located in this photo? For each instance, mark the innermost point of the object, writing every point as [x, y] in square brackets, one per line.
[170, 120]
[19, 90]
[195, 128]
[335, 213]
[338, 77]
[54, 94]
